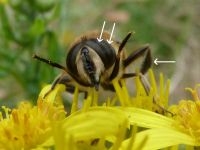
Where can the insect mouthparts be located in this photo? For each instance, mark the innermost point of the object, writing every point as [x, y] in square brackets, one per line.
[96, 86]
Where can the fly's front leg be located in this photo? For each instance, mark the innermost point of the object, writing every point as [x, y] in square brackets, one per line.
[146, 64]
[61, 79]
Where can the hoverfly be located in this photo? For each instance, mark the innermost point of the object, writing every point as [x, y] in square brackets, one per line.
[90, 63]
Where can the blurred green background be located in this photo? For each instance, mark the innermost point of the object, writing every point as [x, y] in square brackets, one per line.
[47, 27]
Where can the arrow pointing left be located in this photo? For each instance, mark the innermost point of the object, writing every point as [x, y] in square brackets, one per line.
[156, 61]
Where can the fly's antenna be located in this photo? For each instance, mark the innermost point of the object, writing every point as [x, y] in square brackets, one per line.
[49, 62]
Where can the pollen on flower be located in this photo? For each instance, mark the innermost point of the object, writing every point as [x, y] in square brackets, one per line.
[187, 114]
[28, 126]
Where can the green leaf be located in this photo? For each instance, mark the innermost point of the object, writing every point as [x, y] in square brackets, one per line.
[37, 28]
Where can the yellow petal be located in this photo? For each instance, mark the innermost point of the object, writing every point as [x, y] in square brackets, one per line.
[147, 119]
[95, 123]
[53, 96]
[159, 138]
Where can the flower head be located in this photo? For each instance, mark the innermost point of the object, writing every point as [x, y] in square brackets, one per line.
[124, 122]
[187, 114]
[28, 126]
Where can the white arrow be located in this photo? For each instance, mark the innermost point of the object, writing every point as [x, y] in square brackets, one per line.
[100, 39]
[109, 41]
[156, 61]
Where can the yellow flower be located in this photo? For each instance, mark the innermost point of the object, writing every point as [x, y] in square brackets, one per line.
[124, 122]
[106, 127]
[156, 99]
[158, 131]
[28, 126]
[187, 114]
